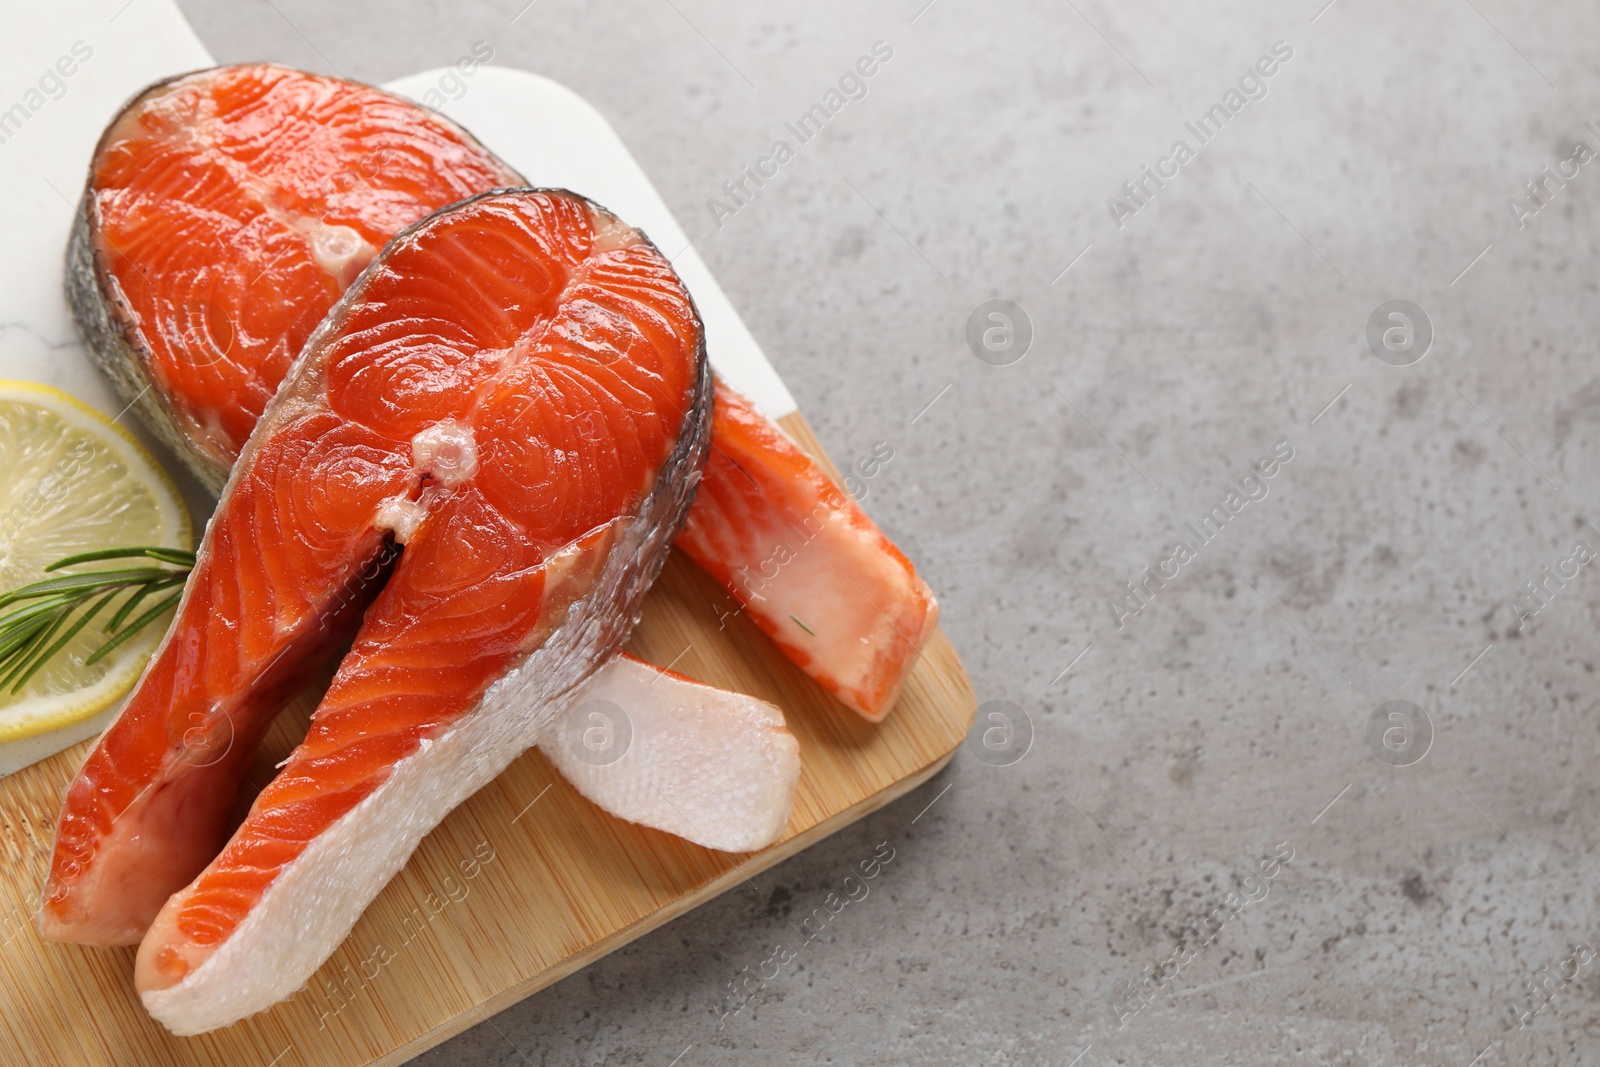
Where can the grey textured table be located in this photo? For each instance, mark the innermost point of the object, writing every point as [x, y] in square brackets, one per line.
[1104, 897]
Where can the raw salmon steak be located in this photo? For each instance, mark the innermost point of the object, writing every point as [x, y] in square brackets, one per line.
[515, 390]
[805, 562]
[224, 214]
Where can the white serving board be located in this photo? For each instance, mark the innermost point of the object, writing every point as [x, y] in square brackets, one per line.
[543, 129]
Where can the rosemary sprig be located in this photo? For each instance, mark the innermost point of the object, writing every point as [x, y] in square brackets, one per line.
[65, 605]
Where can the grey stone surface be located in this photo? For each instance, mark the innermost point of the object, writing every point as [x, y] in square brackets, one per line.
[1226, 315]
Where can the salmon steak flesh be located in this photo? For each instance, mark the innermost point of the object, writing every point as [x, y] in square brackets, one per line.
[513, 399]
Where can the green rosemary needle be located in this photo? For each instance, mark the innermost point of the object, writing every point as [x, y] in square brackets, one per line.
[49, 613]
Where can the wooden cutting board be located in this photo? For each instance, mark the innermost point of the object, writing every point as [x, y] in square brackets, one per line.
[526, 882]
[520, 886]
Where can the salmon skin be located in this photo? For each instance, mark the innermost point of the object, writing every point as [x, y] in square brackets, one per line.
[805, 562]
[515, 390]
[225, 212]
[197, 357]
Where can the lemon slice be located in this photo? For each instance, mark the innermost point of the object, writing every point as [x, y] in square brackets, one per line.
[72, 482]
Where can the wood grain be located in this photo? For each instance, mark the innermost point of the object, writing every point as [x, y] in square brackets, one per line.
[522, 885]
